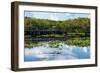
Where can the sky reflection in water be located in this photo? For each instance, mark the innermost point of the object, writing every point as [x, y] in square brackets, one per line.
[45, 53]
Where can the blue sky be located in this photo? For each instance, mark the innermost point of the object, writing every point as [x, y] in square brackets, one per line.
[55, 15]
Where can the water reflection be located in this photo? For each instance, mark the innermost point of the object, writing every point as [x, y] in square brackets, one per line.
[62, 52]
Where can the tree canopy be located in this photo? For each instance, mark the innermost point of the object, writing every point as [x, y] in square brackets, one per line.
[73, 25]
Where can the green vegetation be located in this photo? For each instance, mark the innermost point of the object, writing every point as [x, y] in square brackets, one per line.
[78, 42]
[77, 31]
[51, 35]
[72, 25]
[55, 44]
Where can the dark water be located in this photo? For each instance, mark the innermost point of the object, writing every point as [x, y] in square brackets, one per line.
[64, 52]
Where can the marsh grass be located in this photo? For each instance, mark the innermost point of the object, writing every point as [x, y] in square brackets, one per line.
[55, 44]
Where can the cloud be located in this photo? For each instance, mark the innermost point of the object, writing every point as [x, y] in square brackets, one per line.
[55, 15]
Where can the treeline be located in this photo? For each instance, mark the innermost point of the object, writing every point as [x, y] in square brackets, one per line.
[76, 31]
[71, 25]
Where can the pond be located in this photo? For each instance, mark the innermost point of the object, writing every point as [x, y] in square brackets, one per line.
[62, 52]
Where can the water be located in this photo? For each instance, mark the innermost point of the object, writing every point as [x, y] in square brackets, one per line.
[62, 52]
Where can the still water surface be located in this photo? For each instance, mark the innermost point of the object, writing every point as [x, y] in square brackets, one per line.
[62, 52]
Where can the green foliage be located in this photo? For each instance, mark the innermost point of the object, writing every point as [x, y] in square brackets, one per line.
[28, 45]
[55, 44]
[76, 29]
[51, 35]
[76, 25]
[78, 42]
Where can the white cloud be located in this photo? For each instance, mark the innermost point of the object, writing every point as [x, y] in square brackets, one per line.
[53, 16]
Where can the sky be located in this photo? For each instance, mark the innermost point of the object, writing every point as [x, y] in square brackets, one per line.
[55, 15]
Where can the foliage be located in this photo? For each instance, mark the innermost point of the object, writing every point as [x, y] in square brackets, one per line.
[78, 42]
[76, 25]
[55, 44]
[77, 29]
